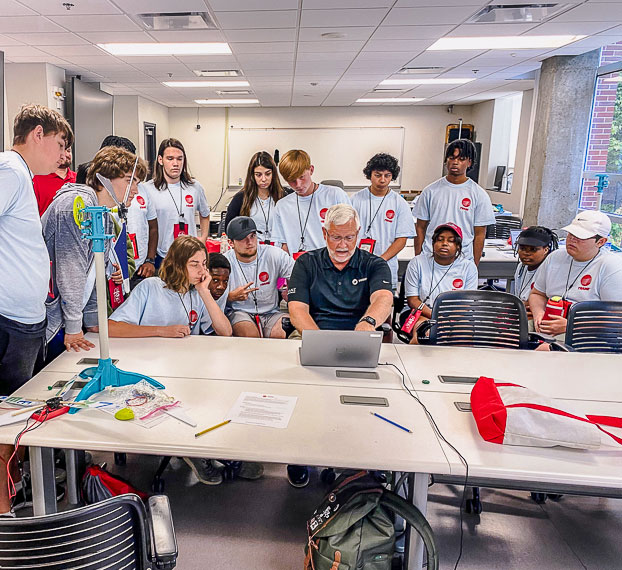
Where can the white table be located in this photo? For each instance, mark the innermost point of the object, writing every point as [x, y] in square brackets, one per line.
[572, 375]
[240, 359]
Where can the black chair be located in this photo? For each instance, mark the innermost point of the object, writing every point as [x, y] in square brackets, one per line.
[502, 226]
[115, 533]
[595, 326]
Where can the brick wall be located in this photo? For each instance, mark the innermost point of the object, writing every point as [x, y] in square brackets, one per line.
[600, 128]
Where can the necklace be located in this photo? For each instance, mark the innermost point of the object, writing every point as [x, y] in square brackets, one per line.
[188, 313]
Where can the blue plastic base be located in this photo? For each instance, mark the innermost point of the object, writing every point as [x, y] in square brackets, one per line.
[107, 374]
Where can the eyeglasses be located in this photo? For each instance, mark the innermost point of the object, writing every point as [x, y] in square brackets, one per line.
[337, 239]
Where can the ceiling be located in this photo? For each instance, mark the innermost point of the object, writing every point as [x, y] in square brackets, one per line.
[280, 47]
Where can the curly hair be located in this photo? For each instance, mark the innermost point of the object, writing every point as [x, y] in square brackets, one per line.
[114, 162]
[465, 148]
[380, 162]
[173, 269]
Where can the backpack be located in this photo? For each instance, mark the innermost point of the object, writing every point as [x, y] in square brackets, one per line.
[353, 527]
[99, 484]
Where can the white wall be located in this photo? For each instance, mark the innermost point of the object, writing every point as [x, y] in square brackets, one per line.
[482, 120]
[150, 112]
[125, 117]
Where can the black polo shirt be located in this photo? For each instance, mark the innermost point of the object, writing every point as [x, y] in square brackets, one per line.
[337, 299]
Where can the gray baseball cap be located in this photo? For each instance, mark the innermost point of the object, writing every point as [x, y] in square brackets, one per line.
[240, 227]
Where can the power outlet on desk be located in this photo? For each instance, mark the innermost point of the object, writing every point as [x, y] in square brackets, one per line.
[357, 374]
[88, 361]
[463, 406]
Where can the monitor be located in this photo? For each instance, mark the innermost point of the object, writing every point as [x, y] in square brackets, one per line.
[499, 174]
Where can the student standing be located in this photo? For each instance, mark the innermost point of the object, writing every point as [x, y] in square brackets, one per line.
[176, 197]
[386, 219]
[299, 216]
[457, 199]
[142, 230]
[47, 186]
[262, 190]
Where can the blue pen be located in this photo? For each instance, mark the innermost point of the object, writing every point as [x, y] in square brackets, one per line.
[389, 421]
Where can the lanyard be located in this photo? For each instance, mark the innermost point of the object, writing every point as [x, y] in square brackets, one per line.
[190, 323]
[253, 293]
[377, 210]
[524, 284]
[304, 229]
[266, 218]
[578, 275]
[438, 282]
[179, 212]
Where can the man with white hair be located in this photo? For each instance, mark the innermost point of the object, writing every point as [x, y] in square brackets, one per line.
[581, 271]
[340, 287]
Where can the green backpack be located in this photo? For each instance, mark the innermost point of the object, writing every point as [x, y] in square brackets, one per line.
[353, 530]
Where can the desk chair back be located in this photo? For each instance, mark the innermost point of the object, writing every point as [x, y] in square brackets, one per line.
[488, 319]
[595, 326]
[338, 183]
[114, 533]
[502, 226]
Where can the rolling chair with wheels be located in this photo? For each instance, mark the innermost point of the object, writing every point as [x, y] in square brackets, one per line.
[115, 533]
[501, 230]
[484, 319]
[595, 326]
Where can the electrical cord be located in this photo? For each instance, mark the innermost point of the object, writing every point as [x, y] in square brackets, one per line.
[439, 434]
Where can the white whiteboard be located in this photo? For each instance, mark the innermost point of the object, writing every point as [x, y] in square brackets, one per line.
[337, 153]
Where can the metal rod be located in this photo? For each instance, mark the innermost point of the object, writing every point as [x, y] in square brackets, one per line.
[102, 305]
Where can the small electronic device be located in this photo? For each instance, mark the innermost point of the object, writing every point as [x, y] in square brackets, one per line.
[463, 406]
[363, 401]
[457, 379]
[357, 349]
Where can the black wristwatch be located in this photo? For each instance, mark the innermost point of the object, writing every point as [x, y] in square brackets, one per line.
[150, 260]
[369, 320]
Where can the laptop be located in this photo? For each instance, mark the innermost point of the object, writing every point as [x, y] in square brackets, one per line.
[358, 349]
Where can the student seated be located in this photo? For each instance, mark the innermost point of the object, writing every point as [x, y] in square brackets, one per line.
[219, 269]
[255, 271]
[176, 304]
[581, 271]
[533, 246]
[447, 269]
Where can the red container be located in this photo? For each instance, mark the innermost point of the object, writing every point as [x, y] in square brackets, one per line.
[556, 306]
[212, 245]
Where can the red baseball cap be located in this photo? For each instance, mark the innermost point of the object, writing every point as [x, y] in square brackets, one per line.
[450, 226]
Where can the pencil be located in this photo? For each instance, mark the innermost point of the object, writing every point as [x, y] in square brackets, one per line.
[211, 428]
[389, 421]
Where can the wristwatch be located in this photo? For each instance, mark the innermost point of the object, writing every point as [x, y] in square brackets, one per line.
[150, 260]
[369, 320]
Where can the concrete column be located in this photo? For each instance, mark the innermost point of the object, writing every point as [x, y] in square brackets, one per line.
[564, 101]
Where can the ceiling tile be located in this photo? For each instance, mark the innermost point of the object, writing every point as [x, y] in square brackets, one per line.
[160, 6]
[592, 12]
[103, 23]
[333, 46]
[411, 32]
[314, 69]
[266, 73]
[439, 3]
[349, 33]
[429, 15]
[331, 18]
[559, 28]
[10, 40]
[412, 46]
[335, 4]
[326, 56]
[49, 39]
[486, 30]
[264, 58]
[138, 61]
[245, 5]
[273, 19]
[189, 36]
[445, 58]
[12, 8]
[27, 24]
[114, 37]
[263, 47]
[68, 51]
[25, 51]
[269, 35]
[49, 8]
[209, 62]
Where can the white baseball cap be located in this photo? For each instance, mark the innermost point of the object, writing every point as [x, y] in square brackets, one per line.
[589, 223]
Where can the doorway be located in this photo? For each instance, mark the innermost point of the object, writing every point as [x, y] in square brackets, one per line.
[150, 146]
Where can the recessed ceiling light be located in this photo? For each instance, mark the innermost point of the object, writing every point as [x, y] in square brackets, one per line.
[217, 72]
[423, 81]
[421, 69]
[206, 83]
[503, 42]
[203, 48]
[333, 35]
[518, 13]
[234, 92]
[227, 101]
[390, 100]
[177, 21]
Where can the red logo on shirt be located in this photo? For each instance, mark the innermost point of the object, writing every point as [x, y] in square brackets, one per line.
[458, 283]
[323, 213]
[263, 277]
[532, 284]
[140, 200]
[586, 280]
[193, 316]
[466, 202]
[389, 215]
[189, 199]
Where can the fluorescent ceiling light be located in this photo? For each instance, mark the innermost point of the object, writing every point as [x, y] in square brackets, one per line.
[613, 80]
[203, 48]
[217, 72]
[390, 100]
[226, 101]
[503, 42]
[206, 83]
[435, 81]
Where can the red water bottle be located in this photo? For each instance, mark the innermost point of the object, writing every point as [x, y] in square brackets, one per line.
[554, 307]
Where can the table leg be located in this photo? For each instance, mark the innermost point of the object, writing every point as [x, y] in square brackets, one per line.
[43, 484]
[73, 478]
[418, 490]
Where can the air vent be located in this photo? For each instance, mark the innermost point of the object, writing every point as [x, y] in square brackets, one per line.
[391, 89]
[232, 92]
[518, 13]
[217, 72]
[417, 70]
[177, 21]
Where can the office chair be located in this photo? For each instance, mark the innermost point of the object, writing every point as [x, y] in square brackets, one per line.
[595, 326]
[338, 183]
[502, 226]
[484, 319]
[115, 533]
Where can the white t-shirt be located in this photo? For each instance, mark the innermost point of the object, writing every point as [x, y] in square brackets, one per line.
[524, 281]
[139, 213]
[262, 212]
[561, 275]
[426, 277]
[24, 263]
[270, 264]
[152, 304]
[466, 205]
[384, 219]
[294, 214]
[170, 203]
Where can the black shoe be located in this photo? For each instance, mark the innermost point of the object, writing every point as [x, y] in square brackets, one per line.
[298, 475]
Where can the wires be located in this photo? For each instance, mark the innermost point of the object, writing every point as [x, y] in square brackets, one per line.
[439, 434]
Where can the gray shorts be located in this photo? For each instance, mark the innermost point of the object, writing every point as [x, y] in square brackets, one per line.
[267, 320]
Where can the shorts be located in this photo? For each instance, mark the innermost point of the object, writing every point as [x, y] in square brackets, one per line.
[267, 320]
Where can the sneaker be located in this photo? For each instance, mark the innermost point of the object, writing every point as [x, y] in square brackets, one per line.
[298, 475]
[205, 470]
[250, 470]
[8, 515]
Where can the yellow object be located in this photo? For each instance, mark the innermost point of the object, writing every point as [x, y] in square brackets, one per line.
[211, 428]
[78, 206]
[124, 414]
